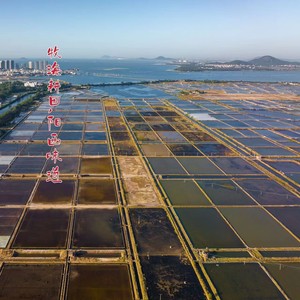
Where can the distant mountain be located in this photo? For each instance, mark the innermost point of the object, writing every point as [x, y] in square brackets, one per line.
[270, 61]
[163, 58]
[266, 61]
[238, 62]
[213, 62]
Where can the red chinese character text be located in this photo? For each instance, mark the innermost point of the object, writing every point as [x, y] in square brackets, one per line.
[53, 175]
[55, 121]
[54, 100]
[54, 140]
[53, 85]
[53, 52]
[54, 69]
[54, 156]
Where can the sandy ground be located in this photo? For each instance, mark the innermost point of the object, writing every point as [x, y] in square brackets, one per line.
[138, 185]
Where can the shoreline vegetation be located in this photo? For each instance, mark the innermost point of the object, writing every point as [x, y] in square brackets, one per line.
[7, 118]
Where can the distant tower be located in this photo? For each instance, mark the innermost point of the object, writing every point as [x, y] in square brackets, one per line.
[40, 65]
[11, 65]
[5, 65]
[30, 65]
[44, 65]
[35, 65]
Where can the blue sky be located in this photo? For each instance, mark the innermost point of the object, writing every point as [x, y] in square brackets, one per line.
[211, 29]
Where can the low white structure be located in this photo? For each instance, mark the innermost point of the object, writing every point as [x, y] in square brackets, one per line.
[30, 84]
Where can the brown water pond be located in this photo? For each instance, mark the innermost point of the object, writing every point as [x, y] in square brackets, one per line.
[101, 282]
[97, 228]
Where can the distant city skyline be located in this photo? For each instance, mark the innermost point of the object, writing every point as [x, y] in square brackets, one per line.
[190, 29]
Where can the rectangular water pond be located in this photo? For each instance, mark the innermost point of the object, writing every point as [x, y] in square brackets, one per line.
[184, 193]
[125, 148]
[280, 253]
[8, 220]
[288, 216]
[162, 127]
[235, 165]
[235, 281]
[206, 228]
[94, 191]
[43, 228]
[197, 136]
[101, 165]
[199, 166]
[10, 149]
[27, 165]
[225, 192]
[258, 228]
[95, 149]
[285, 166]
[97, 228]
[118, 126]
[146, 136]
[166, 166]
[229, 254]
[68, 149]
[287, 275]
[214, 149]
[155, 150]
[154, 119]
[15, 192]
[273, 151]
[154, 232]
[70, 135]
[268, 192]
[172, 137]
[257, 141]
[49, 193]
[35, 149]
[169, 277]
[141, 127]
[72, 127]
[120, 136]
[94, 127]
[31, 282]
[68, 165]
[101, 282]
[184, 150]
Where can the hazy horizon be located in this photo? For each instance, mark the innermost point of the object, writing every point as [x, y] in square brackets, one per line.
[146, 58]
[206, 31]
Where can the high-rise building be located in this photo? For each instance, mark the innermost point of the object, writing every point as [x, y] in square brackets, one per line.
[11, 64]
[30, 65]
[5, 65]
[40, 63]
[45, 65]
[35, 65]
